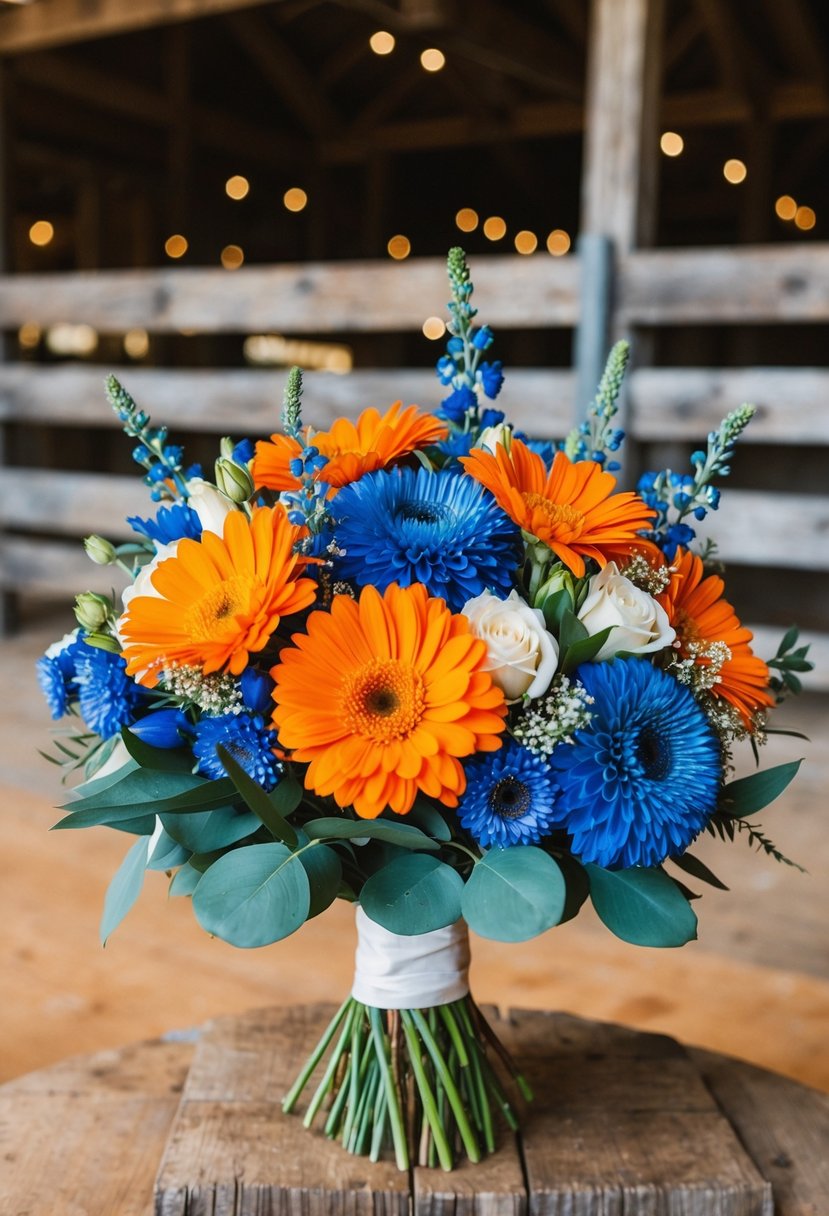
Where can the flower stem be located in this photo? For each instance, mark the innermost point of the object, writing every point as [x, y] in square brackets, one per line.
[330, 1072]
[470, 1143]
[401, 1148]
[316, 1055]
[427, 1097]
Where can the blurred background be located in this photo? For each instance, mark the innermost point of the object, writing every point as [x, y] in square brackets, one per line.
[197, 194]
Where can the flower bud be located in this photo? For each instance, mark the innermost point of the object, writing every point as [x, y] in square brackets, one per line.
[103, 641]
[92, 610]
[491, 436]
[233, 481]
[226, 447]
[100, 550]
[560, 580]
[162, 728]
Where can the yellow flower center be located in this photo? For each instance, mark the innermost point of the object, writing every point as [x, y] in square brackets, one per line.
[383, 700]
[563, 519]
[219, 604]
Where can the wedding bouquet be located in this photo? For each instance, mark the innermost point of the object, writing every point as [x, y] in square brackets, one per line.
[427, 665]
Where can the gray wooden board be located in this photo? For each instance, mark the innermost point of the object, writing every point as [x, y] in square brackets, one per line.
[622, 1123]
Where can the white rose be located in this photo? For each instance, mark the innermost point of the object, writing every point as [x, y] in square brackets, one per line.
[143, 584]
[639, 624]
[521, 655]
[211, 506]
[491, 436]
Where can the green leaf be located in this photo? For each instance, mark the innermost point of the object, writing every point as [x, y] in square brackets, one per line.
[256, 799]
[427, 818]
[185, 880]
[514, 894]
[122, 802]
[125, 888]
[749, 794]
[554, 607]
[788, 640]
[577, 884]
[584, 650]
[325, 872]
[253, 896]
[642, 906]
[698, 869]
[571, 631]
[288, 794]
[208, 831]
[160, 759]
[402, 834]
[96, 784]
[167, 853]
[413, 894]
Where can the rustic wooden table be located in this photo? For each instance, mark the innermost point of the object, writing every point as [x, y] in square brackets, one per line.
[624, 1124]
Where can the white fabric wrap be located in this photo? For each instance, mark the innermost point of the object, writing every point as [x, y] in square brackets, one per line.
[395, 972]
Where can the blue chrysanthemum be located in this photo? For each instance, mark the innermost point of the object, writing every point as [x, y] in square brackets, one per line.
[56, 673]
[108, 697]
[413, 526]
[510, 797]
[170, 523]
[640, 782]
[247, 739]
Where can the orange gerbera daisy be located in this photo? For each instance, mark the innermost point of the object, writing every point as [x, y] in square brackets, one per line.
[702, 620]
[381, 697]
[572, 509]
[219, 598]
[373, 442]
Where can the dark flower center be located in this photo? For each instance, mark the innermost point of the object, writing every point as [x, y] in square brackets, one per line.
[654, 754]
[423, 512]
[382, 701]
[509, 798]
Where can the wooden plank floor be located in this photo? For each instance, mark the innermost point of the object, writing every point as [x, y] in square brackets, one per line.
[755, 986]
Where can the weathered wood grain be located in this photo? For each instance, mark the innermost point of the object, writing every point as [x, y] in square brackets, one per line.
[686, 403]
[761, 283]
[71, 504]
[53, 570]
[753, 528]
[313, 297]
[85, 1136]
[232, 1151]
[248, 402]
[623, 1122]
[784, 1127]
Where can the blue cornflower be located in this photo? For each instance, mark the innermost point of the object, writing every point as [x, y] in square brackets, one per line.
[482, 338]
[248, 740]
[458, 403]
[510, 797]
[163, 728]
[170, 523]
[256, 687]
[491, 376]
[108, 697]
[56, 673]
[641, 780]
[243, 452]
[413, 526]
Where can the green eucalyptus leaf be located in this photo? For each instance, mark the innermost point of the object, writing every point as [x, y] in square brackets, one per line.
[402, 834]
[584, 650]
[286, 797]
[208, 831]
[642, 905]
[325, 872]
[413, 894]
[571, 630]
[554, 607]
[143, 825]
[514, 894]
[749, 794]
[185, 880]
[95, 785]
[253, 896]
[177, 793]
[124, 888]
[427, 818]
[167, 853]
[160, 759]
[256, 799]
[577, 884]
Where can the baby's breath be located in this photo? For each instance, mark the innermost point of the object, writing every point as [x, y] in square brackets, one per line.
[548, 721]
[645, 576]
[214, 694]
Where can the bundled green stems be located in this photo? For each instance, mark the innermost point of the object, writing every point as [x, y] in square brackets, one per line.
[419, 1079]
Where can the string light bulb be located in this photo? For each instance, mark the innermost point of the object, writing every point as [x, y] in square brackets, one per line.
[382, 42]
[176, 245]
[495, 228]
[785, 208]
[232, 257]
[434, 328]
[432, 60]
[734, 171]
[805, 218]
[41, 232]
[526, 242]
[558, 242]
[237, 187]
[399, 247]
[671, 143]
[466, 219]
[295, 199]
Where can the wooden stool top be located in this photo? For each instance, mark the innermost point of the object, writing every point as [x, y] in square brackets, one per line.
[623, 1122]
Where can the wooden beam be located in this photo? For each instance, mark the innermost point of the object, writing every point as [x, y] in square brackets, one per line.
[624, 74]
[755, 528]
[735, 286]
[511, 291]
[285, 73]
[800, 38]
[741, 69]
[681, 38]
[58, 22]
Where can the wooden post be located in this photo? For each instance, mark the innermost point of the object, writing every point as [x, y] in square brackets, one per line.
[620, 172]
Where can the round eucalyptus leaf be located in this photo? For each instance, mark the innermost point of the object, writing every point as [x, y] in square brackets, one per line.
[513, 894]
[642, 905]
[324, 870]
[413, 894]
[253, 896]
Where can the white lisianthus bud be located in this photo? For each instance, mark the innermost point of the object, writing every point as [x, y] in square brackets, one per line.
[100, 550]
[211, 506]
[491, 436]
[521, 654]
[233, 480]
[639, 624]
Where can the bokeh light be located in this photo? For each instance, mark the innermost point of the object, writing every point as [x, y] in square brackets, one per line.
[399, 247]
[495, 228]
[295, 199]
[232, 257]
[558, 242]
